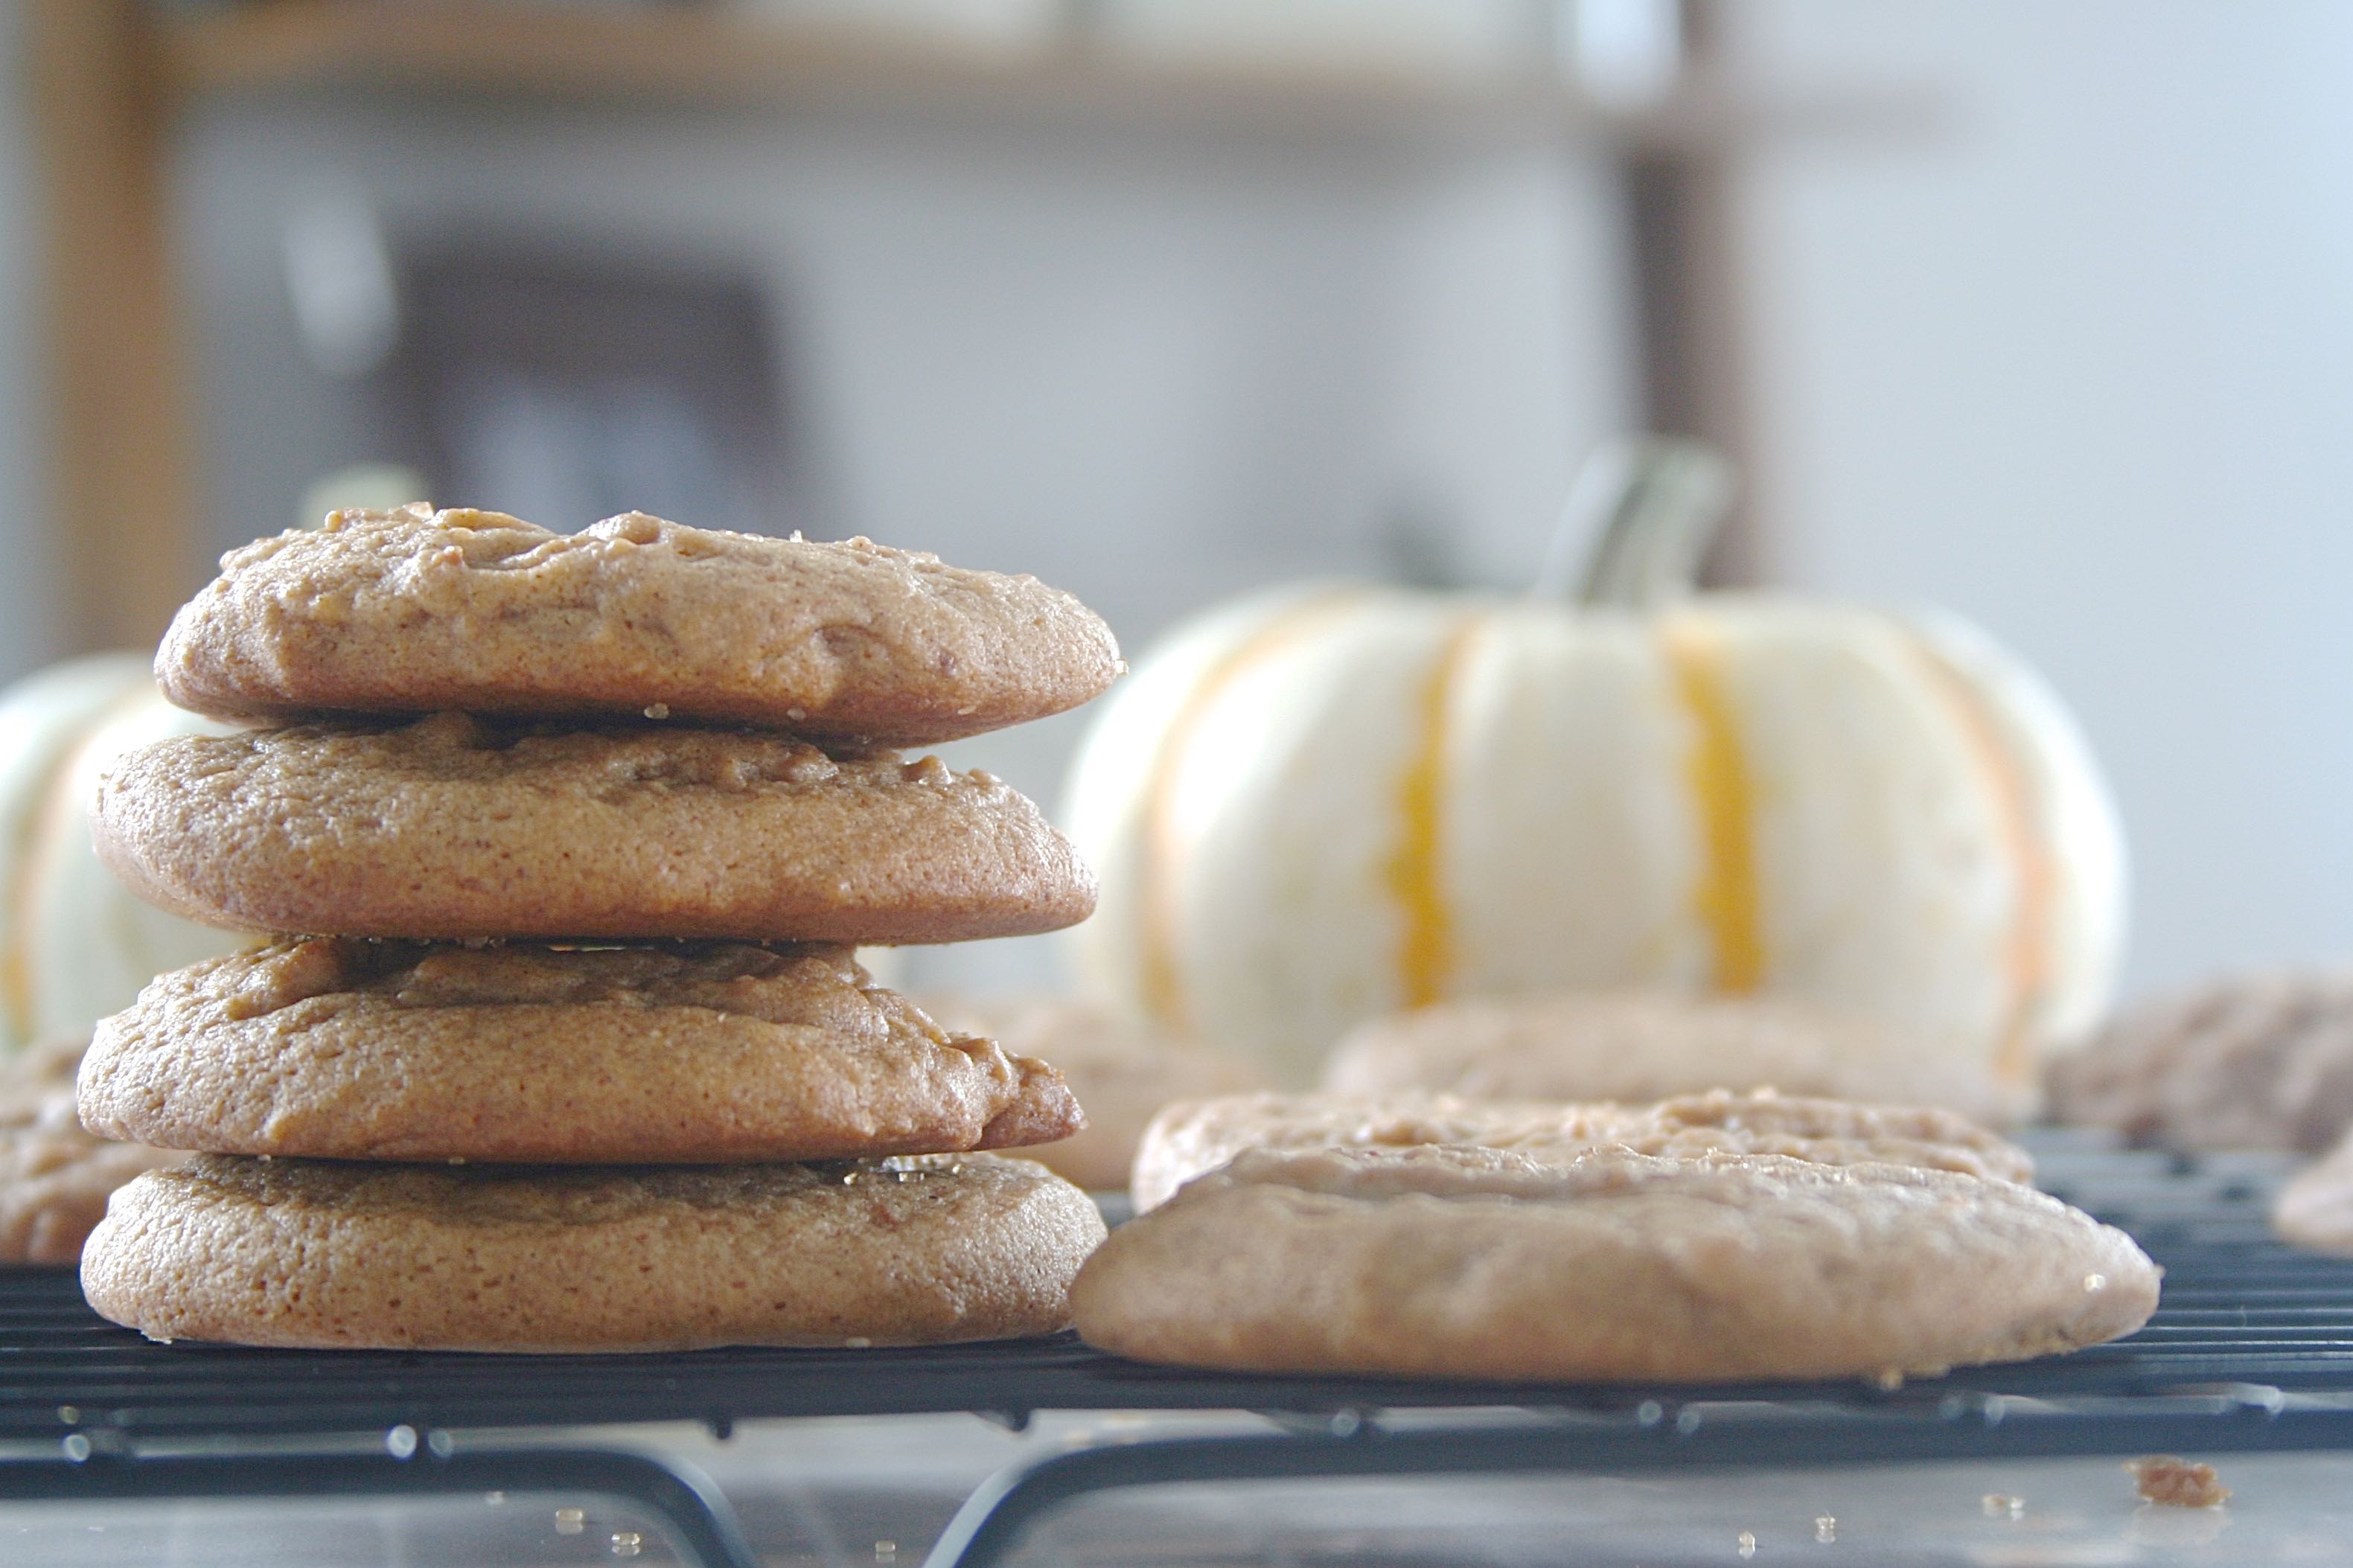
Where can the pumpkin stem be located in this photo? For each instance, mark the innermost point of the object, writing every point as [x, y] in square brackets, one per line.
[1641, 511]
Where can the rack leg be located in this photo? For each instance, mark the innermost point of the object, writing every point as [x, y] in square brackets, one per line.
[685, 1500]
[993, 1519]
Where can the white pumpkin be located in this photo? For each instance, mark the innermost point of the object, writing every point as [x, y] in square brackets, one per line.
[74, 946]
[1319, 805]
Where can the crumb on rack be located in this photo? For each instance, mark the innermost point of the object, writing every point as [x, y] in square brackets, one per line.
[2174, 1482]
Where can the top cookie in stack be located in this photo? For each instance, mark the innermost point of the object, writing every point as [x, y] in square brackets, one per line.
[653, 764]
[415, 611]
[553, 789]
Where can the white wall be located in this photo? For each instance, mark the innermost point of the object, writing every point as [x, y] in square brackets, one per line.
[29, 633]
[2082, 367]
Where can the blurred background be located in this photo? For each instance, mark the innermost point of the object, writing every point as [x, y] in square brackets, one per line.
[2042, 312]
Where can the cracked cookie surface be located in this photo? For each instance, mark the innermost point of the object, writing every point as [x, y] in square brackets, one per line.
[415, 610]
[1190, 1138]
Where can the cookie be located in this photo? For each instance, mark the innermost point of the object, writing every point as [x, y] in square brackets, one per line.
[340, 1049]
[1827, 1133]
[453, 828]
[2249, 1061]
[1445, 1262]
[1186, 1140]
[2314, 1210]
[303, 1253]
[415, 610]
[55, 1178]
[1122, 1072]
[1646, 1045]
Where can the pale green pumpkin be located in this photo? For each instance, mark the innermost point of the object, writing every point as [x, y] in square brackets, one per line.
[1324, 805]
[74, 946]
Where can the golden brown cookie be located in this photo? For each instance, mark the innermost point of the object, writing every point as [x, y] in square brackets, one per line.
[1448, 1261]
[415, 610]
[341, 1048]
[2247, 1062]
[1644, 1045]
[1122, 1072]
[298, 1252]
[1189, 1139]
[452, 827]
[55, 1178]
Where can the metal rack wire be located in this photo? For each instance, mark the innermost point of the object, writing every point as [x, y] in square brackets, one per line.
[2252, 1349]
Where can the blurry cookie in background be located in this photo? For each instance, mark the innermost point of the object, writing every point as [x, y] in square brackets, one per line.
[55, 1178]
[2314, 1211]
[1647, 1045]
[2246, 1061]
[1122, 1072]
[1194, 1137]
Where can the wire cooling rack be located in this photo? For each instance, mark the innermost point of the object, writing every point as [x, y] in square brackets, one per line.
[2251, 1348]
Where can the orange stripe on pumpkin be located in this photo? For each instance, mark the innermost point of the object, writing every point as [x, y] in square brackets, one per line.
[2027, 956]
[1163, 976]
[1415, 871]
[1725, 898]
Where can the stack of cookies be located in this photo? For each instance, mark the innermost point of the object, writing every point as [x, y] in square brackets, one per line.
[569, 1050]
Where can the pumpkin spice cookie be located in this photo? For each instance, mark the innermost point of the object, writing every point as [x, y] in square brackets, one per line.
[415, 610]
[1122, 1071]
[718, 1053]
[2248, 1061]
[315, 1254]
[453, 826]
[1189, 1138]
[1644, 1045]
[55, 1178]
[1448, 1261]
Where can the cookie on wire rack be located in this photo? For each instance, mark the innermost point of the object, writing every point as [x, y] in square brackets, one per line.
[1448, 1261]
[471, 1258]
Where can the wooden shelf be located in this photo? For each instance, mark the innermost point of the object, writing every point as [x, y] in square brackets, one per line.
[109, 76]
[717, 56]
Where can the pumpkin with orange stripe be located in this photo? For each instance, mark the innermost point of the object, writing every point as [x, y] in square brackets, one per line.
[1318, 806]
[74, 945]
